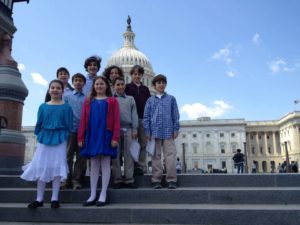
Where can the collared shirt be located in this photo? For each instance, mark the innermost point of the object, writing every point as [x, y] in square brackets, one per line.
[67, 91]
[161, 117]
[141, 94]
[88, 84]
[128, 111]
[75, 100]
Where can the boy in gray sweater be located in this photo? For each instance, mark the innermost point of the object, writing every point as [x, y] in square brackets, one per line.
[128, 131]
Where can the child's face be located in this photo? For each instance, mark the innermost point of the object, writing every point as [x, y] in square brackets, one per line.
[136, 77]
[114, 73]
[92, 68]
[63, 76]
[160, 86]
[100, 87]
[55, 91]
[78, 83]
[119, 87]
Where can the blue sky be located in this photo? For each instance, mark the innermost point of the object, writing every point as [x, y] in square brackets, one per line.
[223, 58]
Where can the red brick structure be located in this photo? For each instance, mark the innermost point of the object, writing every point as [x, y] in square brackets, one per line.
[12, 95]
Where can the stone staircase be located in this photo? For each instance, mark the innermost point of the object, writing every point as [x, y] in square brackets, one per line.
[217, 199]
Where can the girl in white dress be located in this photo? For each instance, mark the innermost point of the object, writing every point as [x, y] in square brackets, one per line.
[49, 162]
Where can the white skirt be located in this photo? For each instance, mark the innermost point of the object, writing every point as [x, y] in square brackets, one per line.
[48, 161]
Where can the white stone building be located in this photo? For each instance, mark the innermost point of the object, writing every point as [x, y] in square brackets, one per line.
[269, 141]
[31, 141]
[210, 144]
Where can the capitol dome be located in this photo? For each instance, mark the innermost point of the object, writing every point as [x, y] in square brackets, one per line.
[129, 56]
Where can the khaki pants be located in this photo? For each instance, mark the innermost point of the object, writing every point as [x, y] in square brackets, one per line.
[169, 152]
[77, 174]
[142, 141]
[123, 149]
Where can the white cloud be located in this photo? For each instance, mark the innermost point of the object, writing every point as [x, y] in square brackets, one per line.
[197, 110]
[280, 65]
[223, 54]
[39, 79]
[231, 74]
[21, 67]
[256, 39]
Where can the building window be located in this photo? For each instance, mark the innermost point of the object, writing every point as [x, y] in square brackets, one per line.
[195, 149]
[183, 135]
[233, 146]
[221, 134]
[223, 164]
[195, 164]
[251, 137]
[222, 147]
[268, 137]
[259, 136]
[261, 150]
[232, 134]
[253, 150]
[207, 135]
[194, 135]
[269, 150]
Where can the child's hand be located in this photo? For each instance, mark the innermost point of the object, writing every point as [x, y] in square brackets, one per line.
[80, 144]
[175, 135]
[134, 135]
[114, 144]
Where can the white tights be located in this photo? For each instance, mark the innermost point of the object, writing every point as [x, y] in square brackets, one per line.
[104, 161]
[41, 185]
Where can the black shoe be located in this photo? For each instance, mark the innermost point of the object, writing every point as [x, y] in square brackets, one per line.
[131, 186]
[55, 204]
[99, 203]
[35, 204]
[156, 185]
[138, 171]
[77, 186]
[65, 185]
[118, 185]
[89, 203]
[172, 185]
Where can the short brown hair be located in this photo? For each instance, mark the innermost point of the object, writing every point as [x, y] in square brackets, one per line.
[79, 75]
[138, 68]
[159, 77]
[116, 79]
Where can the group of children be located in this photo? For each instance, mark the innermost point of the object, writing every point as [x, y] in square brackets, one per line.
[97, 119]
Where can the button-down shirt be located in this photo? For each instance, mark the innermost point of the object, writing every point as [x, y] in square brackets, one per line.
[161, 117]
[75, 100]
[88, 84]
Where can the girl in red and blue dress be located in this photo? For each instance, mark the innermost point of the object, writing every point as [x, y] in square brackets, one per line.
[98, 136]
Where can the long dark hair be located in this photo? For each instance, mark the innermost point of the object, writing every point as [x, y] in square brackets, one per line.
[48, 97]
[106, 72]
[93, 91]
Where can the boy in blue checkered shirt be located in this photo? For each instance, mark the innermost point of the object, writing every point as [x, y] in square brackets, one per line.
[161, 122]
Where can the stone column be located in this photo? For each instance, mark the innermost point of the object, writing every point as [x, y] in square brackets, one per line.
[12, 95]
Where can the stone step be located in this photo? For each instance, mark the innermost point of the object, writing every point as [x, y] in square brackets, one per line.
[205, 214]
[192, 180]
[166, 196]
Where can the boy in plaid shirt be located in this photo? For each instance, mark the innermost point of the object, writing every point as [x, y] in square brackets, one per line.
[161, 122]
